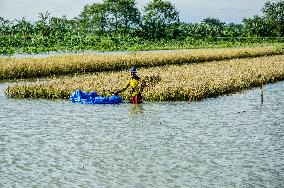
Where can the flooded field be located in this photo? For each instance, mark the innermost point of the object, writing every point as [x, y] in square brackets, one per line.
[229, 141]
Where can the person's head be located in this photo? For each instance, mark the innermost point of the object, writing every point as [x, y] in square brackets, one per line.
[133, 72]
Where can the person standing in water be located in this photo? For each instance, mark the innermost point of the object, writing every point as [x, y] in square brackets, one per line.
[136, 85]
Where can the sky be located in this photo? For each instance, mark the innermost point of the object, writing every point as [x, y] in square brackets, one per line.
[191, 11]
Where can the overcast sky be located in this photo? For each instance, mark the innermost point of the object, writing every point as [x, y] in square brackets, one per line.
[190, 10]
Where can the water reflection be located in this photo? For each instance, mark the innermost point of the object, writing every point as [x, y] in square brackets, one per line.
[136, 110]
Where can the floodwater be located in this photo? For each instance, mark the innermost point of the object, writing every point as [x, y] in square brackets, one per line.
[85, 52]
[229, 141]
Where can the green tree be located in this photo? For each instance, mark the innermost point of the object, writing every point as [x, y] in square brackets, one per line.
[186, 30]
[274, 16]
[23, 27]
[42, 26]
[5, 26]
[214, 27]
[63, 26]
[233, 30]
[111, 16]
[93, 18]
[257, 27]
[123, 15]
[270, 24]
[129, 15]
[160, 17]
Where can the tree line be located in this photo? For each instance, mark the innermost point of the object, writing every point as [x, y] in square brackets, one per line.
[122, 19]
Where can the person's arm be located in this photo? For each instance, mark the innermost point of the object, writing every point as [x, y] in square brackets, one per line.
[124, 88]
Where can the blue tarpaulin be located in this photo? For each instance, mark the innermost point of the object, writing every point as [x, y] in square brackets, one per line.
[79, 96]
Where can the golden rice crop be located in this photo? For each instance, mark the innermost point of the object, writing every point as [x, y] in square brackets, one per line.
[11, 68]
[173, 82]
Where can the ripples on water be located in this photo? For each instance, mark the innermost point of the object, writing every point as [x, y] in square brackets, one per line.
[230, 141]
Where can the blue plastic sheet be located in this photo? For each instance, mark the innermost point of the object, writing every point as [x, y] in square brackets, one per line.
[79, 96]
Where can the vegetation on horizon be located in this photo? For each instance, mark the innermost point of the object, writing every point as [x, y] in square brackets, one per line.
[119, 25]
[13, 68]
[171, 83]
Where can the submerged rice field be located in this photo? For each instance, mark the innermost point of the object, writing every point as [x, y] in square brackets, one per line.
[186, 82]
[19, 68]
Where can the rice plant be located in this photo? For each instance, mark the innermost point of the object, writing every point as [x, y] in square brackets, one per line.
[12, 68]
[187, 82]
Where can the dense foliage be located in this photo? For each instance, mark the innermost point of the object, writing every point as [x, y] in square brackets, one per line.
[270, 24]
[119, 25]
